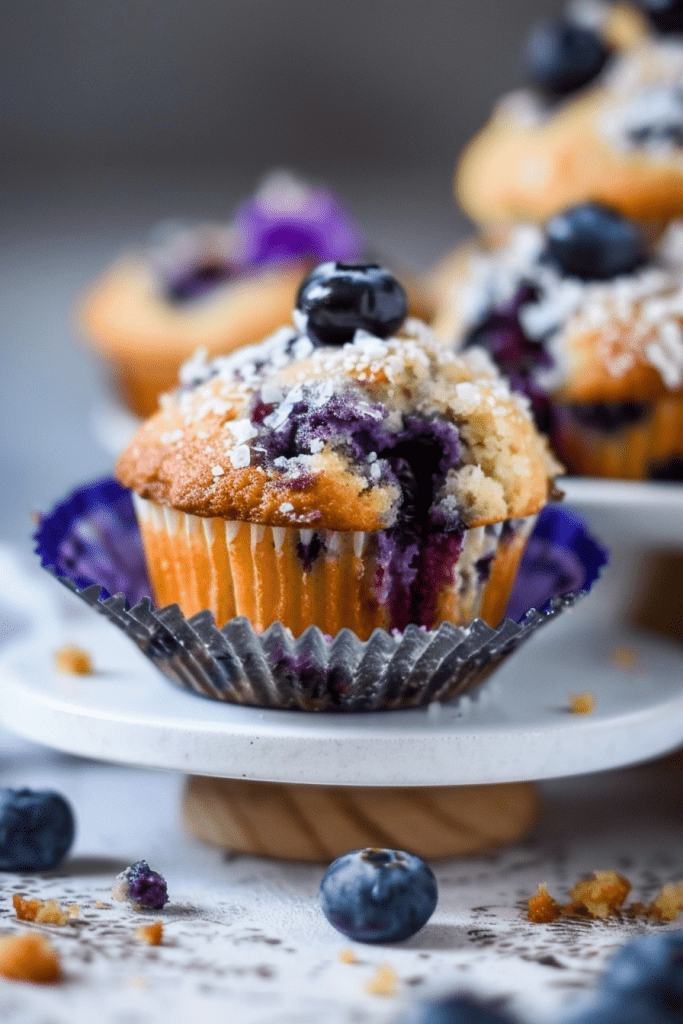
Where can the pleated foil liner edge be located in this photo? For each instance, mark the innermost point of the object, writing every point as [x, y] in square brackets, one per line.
[314, 672]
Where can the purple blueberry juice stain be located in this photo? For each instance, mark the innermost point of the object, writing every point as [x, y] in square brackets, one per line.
[198, 281]
[308, 553]
[483, 568]
[517, 356]
[416, 556]
[608, 417]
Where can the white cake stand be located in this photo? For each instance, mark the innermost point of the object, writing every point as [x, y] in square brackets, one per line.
[519, 729]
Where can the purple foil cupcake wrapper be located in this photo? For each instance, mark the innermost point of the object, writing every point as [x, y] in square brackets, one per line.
[91, 543]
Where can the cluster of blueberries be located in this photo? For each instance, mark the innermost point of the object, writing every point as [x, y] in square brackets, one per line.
[563, 55]
[371, 895]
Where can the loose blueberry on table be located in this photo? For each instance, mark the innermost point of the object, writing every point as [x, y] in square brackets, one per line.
[613, 1009]
[458, 1009]
[375, 895]
[562, 56]
[336, 299]
[651, 967]
[36, 829]
[594, 243]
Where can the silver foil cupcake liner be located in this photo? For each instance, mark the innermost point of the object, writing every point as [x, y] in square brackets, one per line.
[93, 532]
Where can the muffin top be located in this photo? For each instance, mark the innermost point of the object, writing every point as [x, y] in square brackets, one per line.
[349, 421]
[585, 309]
[602, 118]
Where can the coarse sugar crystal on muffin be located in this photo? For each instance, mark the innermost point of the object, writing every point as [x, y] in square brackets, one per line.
[337, 477]
[585, 317]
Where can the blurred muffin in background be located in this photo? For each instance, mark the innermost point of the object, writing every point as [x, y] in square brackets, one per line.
[585, 317]
[215, 286]
[601, 121]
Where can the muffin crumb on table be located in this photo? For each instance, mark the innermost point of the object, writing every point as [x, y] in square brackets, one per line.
[542, 908]
[43, 911]
[29, 957]
[384, 982]
[152, 934]
[347, 956]
[582, 703]
[73, 660]
[603, 895]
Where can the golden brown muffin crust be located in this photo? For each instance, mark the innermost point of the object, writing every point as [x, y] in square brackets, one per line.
[196, 453]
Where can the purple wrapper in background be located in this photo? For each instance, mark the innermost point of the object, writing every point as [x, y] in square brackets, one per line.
[561, 557]
[287, 220]
[93, 537]
[91, 542]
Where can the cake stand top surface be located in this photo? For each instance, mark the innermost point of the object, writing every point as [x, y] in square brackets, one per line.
[520, 728]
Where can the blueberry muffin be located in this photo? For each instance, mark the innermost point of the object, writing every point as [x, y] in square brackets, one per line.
[214, 286]
[603, 121]
[585, 317]
[349, 471]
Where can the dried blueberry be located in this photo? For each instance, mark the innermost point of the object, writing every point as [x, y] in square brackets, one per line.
[36, 829]
[594, 243]
[336, 299]
[139, 885]
[452, 1010]
[666, 15]
[562, 56]
[375, 895]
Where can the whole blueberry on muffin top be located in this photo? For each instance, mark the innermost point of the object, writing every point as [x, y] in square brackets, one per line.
[583, 310]
[337, 299]
[562, 56]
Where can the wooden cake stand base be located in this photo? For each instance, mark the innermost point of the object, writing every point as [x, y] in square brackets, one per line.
[319, 823]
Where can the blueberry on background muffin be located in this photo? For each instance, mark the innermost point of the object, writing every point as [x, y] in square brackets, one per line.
[585, 317]
[216, 286]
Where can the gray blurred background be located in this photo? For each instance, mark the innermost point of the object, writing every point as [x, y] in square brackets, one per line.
[116, 115]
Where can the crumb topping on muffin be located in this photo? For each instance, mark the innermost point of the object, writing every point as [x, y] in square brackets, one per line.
[343, 437]
[615, 339]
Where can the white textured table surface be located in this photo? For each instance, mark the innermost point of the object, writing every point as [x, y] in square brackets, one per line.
[244, 940]
[243, 937]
